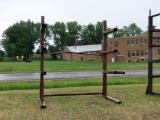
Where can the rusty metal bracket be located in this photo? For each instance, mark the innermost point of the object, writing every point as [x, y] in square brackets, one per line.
[43, 27]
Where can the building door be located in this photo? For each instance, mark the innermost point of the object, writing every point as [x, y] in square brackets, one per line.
[81, 58]
[113, 59]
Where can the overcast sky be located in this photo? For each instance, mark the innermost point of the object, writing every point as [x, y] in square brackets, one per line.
[117, 12]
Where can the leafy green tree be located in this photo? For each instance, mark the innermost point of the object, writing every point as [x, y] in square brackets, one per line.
[65, 34]
[131, 30]
[119, 33]
[98, 35]
[59, 32]
[1, 55]
[47, 36]
[88, 34]
[73, 33]
[91, 33]
[38, 51]
[19, 39]
[84, 36]
[52, 49]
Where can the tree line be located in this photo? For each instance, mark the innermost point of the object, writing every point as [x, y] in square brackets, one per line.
[21, 38]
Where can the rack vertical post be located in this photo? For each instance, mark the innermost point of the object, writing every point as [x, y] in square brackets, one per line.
[151, 29]
[105, 51]
[42, 72]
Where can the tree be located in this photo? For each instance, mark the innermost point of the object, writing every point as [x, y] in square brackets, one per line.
[47, 35]
[98, 28]
[83, 36]
[131, 30]
[65, 34]
[53, 49]
[38, 51]
[91, 33]
[88, 34]
[119, 33]
[19, 39]
[73, 33]
[59, 32]
[1, 55]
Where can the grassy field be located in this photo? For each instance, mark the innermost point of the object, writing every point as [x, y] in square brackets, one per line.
[24, 104]
[74, 82]
[56, 66]
[20, 99]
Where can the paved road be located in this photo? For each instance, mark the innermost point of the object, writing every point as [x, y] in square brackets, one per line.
[32, 76]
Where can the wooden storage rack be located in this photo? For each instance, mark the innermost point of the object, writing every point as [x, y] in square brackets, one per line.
[104, 72]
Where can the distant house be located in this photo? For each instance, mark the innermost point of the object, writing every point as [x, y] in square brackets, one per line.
[82, 53]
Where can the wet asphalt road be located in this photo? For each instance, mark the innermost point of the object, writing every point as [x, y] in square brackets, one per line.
[52, 75]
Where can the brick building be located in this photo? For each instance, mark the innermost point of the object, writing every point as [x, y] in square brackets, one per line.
[130, 49]
[134, 49]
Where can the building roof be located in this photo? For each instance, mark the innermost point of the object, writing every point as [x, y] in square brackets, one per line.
[85, 48]
[155, 34]
[143, 33]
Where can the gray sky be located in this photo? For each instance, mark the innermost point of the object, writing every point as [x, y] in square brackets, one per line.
[117, 12]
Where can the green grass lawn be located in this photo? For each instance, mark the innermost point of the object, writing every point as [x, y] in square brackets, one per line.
[72, 82]
[56, 66]
[24, 104]
[20, 99]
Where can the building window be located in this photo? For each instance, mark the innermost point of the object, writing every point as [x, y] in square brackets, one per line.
[137, 42]
[145, 41]
[128, 42]
[133, 53]
[137, 52]
[129, 54]
[158, 41]
[146, 52]
[142, 59]
[142, 53]
[115, 43]
[141, 42]
[132, 42]
[158, 50]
